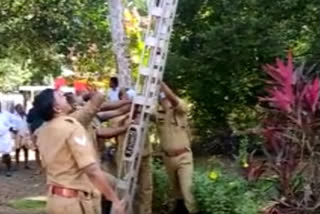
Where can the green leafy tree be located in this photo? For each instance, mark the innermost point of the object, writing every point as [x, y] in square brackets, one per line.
[13, 74]
[42, 31]
[219, 46]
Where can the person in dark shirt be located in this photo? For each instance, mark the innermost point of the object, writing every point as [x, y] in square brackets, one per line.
[34, 121]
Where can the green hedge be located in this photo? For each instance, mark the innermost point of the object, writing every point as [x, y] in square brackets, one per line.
[217, 192]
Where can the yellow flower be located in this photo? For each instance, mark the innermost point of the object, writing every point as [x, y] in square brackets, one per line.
[245, 165]
[213, 175]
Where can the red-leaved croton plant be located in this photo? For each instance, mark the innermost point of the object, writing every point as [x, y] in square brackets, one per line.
[291, 136]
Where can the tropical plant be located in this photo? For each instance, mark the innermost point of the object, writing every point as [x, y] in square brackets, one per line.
[291, 131]
[254, 169]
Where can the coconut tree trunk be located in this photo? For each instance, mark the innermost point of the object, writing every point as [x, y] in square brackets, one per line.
[120, 44]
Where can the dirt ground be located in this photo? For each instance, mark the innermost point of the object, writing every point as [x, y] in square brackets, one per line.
[23, 184]
[28, 183]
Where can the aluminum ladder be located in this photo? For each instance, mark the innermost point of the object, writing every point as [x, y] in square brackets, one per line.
[156, 46]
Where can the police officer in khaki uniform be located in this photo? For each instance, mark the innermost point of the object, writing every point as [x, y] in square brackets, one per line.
[90, 116]
[174, 137]
[143, 202]
[68, 155]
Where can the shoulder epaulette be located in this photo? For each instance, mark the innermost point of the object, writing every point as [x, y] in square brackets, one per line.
[69, 120]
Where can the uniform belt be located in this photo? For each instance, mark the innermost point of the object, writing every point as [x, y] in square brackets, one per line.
[177, 152]
[63, 192]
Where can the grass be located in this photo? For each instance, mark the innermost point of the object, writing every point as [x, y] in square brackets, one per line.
[34, 204]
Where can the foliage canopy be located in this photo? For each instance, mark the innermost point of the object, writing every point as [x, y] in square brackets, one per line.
[217, 49]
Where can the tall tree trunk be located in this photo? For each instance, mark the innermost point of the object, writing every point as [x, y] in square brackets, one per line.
[119, 40]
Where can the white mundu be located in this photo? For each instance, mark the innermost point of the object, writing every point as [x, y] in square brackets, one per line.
[6, 140]
[7, 121]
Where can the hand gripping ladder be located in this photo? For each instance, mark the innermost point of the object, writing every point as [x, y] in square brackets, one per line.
[161, 19]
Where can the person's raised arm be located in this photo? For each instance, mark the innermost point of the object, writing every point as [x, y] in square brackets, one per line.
[115, 131]
[174, 100]
[114, 105]
[85, 114]
[106, 133]
[97, 99]
[107, 115]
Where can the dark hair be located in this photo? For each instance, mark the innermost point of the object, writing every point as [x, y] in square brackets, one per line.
[114, 80]
[34, 120]
[44, 103]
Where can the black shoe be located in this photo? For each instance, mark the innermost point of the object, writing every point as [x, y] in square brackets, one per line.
[180, 208]
[106, 206]
[27, 167]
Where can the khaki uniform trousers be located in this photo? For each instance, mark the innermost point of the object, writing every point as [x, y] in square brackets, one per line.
[180, 172]
[143, 202]
[77, 205]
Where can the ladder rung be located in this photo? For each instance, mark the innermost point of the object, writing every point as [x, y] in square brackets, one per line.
[168, 3]
[145, 71]
[159, 12]
[162, 43]
[167, 14]
[141, 100]
[153, 88]
[156, 11]
[150, 110]
[122, 184]
[165, 29]
[158, 60]
[151, 41]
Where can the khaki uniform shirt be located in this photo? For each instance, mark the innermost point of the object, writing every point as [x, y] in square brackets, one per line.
[173, 128]
[34, 137]
[65, 150]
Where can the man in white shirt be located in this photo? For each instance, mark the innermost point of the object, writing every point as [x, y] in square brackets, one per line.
[113, 93]
[7, 125]
[23, 136]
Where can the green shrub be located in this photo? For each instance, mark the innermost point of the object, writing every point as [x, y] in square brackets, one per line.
[221, 193]
[161, 187]
[216, 191]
